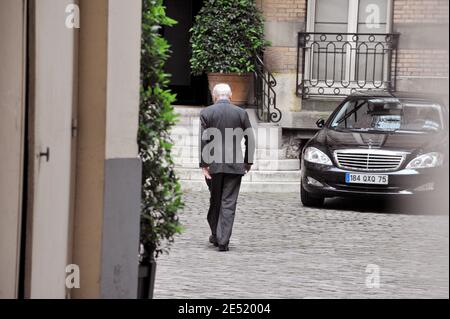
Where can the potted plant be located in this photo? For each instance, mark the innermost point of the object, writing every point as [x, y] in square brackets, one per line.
[225, 37]
[161, 192]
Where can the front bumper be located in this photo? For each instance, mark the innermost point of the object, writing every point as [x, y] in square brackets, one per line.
[403, 182]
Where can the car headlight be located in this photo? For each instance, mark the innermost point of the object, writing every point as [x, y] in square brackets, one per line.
[428, 160]
[314, 155]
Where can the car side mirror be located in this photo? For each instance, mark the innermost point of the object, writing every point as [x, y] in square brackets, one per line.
[320, 123]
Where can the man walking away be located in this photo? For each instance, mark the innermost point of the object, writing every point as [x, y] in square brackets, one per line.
[223, 127]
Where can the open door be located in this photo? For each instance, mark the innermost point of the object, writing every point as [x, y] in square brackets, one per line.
[52, 95]
[190, 89]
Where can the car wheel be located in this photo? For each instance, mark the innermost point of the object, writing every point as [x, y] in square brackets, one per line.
[309, 200]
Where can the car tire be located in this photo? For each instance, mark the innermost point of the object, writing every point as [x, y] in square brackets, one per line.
[309, 200]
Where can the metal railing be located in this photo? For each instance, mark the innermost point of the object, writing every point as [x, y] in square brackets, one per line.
[339, 64]
[265, 95]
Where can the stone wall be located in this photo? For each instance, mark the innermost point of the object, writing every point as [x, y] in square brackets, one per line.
[293, 141]
[283, 20]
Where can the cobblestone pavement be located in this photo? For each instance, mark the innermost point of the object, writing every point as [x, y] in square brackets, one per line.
[279, 249]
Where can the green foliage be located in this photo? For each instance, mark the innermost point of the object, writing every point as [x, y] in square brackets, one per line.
[161, 193]
[226, 36]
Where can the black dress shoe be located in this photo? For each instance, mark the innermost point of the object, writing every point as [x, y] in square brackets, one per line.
[213, 240]
[223, 248]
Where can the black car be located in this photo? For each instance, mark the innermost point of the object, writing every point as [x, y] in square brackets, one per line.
[377, 143]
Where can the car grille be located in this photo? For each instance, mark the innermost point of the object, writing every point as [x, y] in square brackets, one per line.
[369, 160]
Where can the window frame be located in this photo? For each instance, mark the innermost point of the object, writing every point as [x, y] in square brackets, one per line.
[353, 16]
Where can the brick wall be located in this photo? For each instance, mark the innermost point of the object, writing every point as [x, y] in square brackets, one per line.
[421, 11]
[411, 62]
[423, 63]
[418, 60]
[281, 59]
[284, 10]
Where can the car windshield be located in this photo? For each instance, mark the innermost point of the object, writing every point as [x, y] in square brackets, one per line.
[388, 115]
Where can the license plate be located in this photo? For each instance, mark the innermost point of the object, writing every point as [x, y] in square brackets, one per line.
[373, 179]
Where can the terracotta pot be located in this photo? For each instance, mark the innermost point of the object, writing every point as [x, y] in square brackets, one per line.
[239, 83]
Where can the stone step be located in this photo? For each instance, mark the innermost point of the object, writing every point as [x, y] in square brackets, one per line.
[268, 154]
[187, 115]
[194, 122]
[182, 130]
[188, 121]
[183, 110]
[194, 111]
[278, 165]
[260, 154]
[185, 151]
[246, 187]
[275, 176]
[262, 165]
[192, 127]
[184, 140]
[266, 138]
[252, 176]
[185, 162]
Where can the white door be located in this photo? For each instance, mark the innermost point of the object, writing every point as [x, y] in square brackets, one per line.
[53, 95]
[12, 128]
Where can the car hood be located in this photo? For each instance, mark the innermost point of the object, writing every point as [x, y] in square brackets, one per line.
[390, 141]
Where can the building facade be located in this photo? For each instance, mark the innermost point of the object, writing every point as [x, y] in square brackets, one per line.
[69, 97]
[320, 52]
[416, 55]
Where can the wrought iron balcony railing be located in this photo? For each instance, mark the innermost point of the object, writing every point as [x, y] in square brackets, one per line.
[338, 64]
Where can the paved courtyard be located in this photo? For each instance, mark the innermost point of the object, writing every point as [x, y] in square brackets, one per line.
[280, 249]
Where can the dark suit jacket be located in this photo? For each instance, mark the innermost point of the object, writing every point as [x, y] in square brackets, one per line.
[223, 126]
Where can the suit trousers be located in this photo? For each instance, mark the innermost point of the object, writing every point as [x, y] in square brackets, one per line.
[224, 190]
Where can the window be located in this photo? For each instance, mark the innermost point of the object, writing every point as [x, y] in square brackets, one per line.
[347, 47]
[388, 115]
[349, 16]
[331, 16]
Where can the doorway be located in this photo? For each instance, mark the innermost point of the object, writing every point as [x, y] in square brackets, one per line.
[190, 89]
[51, 99]
[12, 140]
